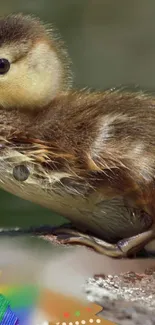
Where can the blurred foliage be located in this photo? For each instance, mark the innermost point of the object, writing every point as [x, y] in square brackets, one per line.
[110, 42]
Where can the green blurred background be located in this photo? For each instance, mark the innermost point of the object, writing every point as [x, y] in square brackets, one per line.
[110, 42]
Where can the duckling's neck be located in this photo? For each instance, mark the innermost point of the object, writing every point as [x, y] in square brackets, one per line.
[68, 117]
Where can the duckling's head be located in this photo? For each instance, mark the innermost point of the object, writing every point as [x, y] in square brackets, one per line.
[34, 65]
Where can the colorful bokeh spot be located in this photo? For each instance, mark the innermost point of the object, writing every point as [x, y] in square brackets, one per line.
[85, 316]
[83, 322]
[17, 304]
[7, 316]
[66, 315]
[88, 309]
[77, 313]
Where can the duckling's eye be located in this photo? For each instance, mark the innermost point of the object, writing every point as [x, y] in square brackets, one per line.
[21, 173]
[4, 66]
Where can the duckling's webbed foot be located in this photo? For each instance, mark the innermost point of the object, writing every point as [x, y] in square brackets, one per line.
[68, 235]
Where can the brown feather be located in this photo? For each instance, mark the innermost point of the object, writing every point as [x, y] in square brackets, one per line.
[106, 138]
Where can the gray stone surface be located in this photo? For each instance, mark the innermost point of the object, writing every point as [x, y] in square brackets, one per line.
[128, 298]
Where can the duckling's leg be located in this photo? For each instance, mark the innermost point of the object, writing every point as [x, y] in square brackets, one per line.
[71, 236]
[133, 244]
[125, 247]
[67, 234]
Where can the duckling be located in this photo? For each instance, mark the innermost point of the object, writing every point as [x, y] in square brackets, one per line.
[89, 156]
